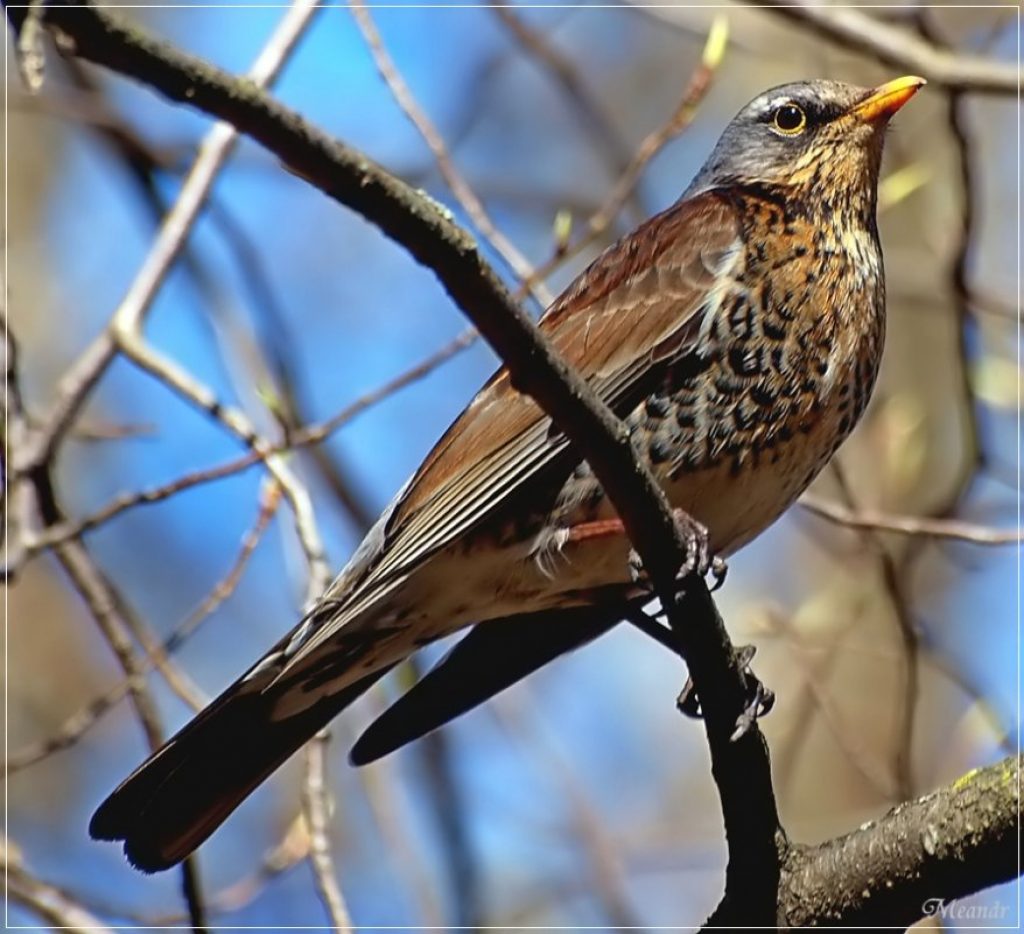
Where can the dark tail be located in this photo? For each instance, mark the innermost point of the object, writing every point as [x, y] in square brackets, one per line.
[493, 656]
[179, 796]
[173, 801]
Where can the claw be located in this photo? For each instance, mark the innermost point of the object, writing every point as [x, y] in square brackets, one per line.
[637, 574]
[718, 571]
[760, 699]
[699, 558]
[687, 703]
[761, 702]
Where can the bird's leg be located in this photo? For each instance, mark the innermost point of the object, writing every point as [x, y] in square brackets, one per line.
[759, 700]
[648, 624]
[699, 559]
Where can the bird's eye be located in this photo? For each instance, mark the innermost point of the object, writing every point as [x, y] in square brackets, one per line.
[789, 119]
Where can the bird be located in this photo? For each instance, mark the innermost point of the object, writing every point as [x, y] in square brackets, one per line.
[737, 334]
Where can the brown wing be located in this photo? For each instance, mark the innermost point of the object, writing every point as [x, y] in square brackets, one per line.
[609, 324]
[642, 300]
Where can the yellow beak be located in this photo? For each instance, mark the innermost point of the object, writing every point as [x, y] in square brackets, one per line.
[887, 98]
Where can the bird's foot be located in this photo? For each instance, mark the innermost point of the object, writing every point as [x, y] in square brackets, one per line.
[700, 560]
[759, 699]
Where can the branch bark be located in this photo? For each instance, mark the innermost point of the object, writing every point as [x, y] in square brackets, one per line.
[901, 49]
[910, 863]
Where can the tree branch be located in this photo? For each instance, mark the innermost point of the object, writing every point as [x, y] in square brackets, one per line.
[908, 864]
[901, 49]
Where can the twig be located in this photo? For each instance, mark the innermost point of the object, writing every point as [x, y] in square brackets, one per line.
[315, 807]
[79, 723]
[989, 303]
[48, 902]
[696, 89]
[816, 698]
[889, 572]
[894, 46]
[462, 190]
[278, 362]
[106, 608]
[538, 46]
[83, 375]
[608, 885]
[945, 529]
[29, 47]
[383, 798]
[285, 855]
[313, 434]
[959, 279]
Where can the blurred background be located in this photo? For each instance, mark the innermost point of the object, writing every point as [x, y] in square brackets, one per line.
[580, 797]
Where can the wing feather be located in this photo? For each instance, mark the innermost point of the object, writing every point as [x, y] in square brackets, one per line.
[642, 301]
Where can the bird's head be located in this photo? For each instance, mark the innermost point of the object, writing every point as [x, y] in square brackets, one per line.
[808, 133]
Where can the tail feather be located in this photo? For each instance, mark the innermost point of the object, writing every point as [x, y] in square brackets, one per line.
[493, 656]
[179, 796]
[170, 804]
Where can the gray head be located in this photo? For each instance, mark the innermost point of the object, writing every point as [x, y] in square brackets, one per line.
[805, 133]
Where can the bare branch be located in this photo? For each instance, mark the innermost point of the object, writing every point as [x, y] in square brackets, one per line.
[693, 94]
[608, 884]
[78, 382]
[315, 807]
[901, 49]
[923, 853]
[380, 786]
[462, 190]
[79, 723]
[108, 610]
[945, 529]
[29, 48]
[311, 434]
[48, 902]
[541, 49]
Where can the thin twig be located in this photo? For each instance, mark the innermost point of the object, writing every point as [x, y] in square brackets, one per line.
[955, 530]
[608, 885]
[389, 810]
[313, 434]
[816, 699]
[79, 723]
[462, 190]
[897, 47]
[29, 47]
[696, 89]
[889, 572]
[77, 383]
[550, 58]
[46, 901]
[108, 610]
[315, 807]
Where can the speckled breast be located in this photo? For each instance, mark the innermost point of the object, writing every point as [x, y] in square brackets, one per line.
[743, 421]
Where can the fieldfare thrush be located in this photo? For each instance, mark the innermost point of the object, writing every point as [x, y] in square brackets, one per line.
[737, 334]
